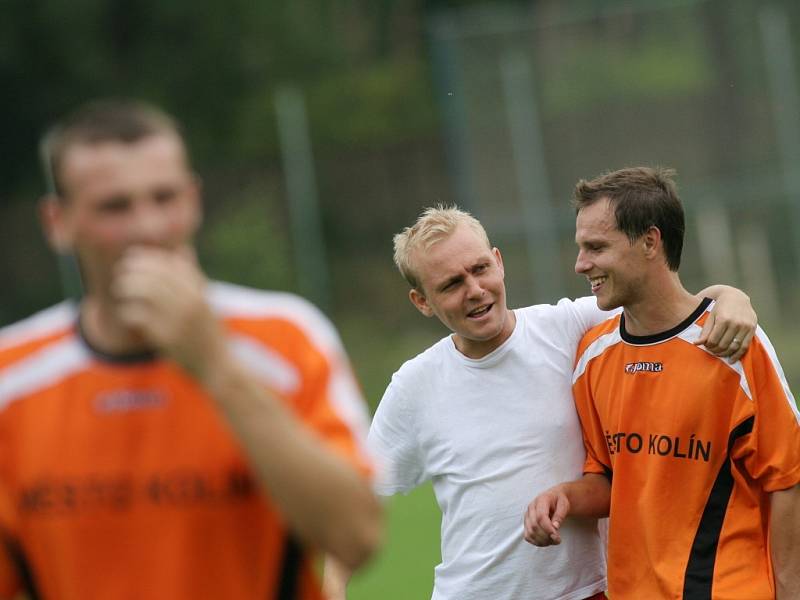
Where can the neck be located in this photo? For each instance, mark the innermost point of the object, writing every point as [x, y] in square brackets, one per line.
[105, 331]
[480, 348]
[661, 307]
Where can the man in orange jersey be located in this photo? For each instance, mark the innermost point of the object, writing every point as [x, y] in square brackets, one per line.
[168, 437]
[697, 458]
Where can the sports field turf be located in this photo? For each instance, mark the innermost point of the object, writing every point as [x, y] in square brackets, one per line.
[404, 569]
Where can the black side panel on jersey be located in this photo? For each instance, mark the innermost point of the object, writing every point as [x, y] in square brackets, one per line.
[24, 571]
[288, 581]
[700, 568]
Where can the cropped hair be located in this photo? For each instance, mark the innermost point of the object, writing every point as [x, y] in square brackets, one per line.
[433, 225]
[642, 197]
[107, 120]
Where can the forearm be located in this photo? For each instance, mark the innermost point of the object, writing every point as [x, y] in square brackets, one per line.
[324, 499]
[589, 496]
[334, 579]
[715, 292]
[785, 542]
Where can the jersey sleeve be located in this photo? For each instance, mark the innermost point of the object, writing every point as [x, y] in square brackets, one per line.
[594, 439]
[771, 451]
[393, 442]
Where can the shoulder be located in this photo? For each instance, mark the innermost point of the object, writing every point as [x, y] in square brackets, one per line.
[42, 325]
[424, 365]
[39, 351]
[33, 333]
[595, 342]
[284, 310]
[563, 310]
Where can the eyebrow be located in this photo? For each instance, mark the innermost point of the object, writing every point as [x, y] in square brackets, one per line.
[460, 277]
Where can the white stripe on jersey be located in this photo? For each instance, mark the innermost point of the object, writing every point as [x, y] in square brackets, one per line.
[773, 357]
[595, 349]
[236, 301]
[45, 322]
[270, 367]
[43, 368]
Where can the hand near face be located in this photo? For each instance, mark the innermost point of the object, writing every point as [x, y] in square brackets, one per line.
[160, 294]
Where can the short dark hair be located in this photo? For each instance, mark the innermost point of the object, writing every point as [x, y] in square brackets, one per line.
[107, 120]
[642, 197]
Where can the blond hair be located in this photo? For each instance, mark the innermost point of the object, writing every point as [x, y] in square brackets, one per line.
[433, 225]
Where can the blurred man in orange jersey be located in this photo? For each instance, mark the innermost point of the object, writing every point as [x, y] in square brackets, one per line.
[168, 437]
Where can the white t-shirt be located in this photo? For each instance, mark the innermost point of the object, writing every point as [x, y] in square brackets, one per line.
[491, 434]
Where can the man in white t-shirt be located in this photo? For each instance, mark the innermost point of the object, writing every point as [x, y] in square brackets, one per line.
[487, 415]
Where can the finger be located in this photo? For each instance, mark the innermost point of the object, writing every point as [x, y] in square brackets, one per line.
[706, 331]
[716, 331]
[137, 285]
[728, 343]
[533, 532]
[538, 538]
[560, 512]
[736, 356]
[136, 316]
[544, 523]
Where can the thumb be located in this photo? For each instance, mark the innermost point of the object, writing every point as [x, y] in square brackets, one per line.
[561, 511]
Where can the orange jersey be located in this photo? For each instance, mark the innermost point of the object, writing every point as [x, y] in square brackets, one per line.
[120, 479]
[693, 446]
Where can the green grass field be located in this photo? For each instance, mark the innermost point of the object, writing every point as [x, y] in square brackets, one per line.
[404, 568]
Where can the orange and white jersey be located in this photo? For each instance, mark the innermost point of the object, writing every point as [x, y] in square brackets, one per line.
[693, 446]
[120, 479]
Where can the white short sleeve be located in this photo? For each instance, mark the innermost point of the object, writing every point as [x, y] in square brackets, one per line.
[580, 315]
[393, 443]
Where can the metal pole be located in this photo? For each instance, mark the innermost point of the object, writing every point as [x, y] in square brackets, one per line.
[306, 225]
[539, 218]
[785, 96]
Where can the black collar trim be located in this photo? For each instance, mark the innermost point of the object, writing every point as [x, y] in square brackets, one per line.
[643, 340]
[145, 356]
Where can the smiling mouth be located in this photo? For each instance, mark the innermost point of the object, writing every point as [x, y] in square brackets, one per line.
[479, 312]
[596, 282]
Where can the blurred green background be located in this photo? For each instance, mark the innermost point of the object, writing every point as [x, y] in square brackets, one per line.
[322, 127]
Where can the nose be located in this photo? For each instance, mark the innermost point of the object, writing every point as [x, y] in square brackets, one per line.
[149, 225]
[582, 265]
[474, 288]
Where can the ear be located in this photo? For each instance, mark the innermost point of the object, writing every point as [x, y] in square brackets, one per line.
[499, 258]
[651, 240]
[419, 300]
[53, 219]
[196, 199]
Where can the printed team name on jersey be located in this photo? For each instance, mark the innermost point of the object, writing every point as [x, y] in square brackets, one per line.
[117, 401]
[657, 444]
[175, 489]
[644, 367]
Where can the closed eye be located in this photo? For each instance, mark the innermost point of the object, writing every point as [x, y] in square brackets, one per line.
[114, 205]
[165, 195]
